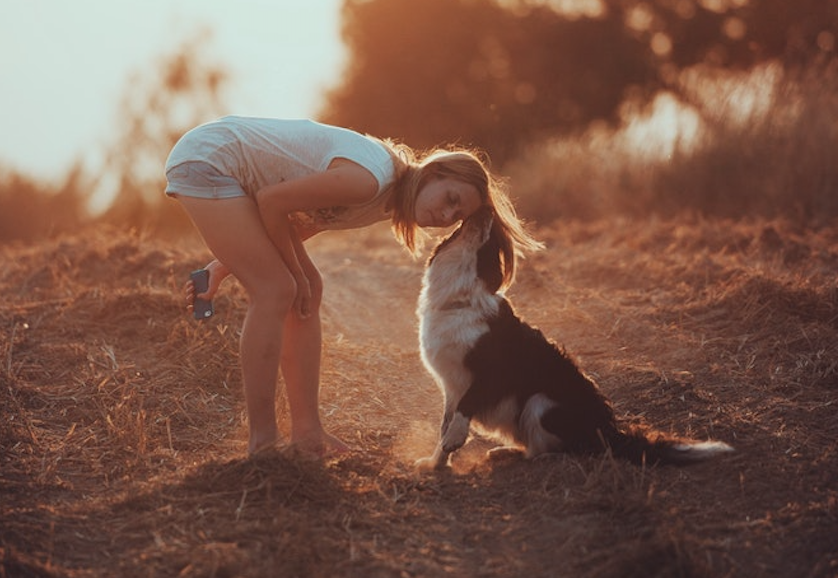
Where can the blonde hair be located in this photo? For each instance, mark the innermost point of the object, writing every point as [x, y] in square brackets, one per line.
[413, 173]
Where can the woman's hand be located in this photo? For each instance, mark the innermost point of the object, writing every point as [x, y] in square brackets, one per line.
[217, 273]
[302, 302]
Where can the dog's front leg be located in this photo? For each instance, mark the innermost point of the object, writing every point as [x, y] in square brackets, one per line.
[453, 435]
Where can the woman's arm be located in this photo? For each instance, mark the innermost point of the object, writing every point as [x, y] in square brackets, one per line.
[217, 273]
[282, 234]
[344, 183]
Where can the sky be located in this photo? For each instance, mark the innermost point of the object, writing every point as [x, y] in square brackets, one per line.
[65, 65]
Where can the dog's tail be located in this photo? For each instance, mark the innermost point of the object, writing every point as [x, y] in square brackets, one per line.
[644, 446]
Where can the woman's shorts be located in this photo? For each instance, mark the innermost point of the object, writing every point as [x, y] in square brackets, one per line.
[201, 180]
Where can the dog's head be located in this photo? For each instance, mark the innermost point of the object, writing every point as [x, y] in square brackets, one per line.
[476, 248]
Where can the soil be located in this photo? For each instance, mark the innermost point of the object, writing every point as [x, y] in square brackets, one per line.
[123, 441]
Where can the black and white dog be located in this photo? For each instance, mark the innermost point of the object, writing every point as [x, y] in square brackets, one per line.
[503, 375]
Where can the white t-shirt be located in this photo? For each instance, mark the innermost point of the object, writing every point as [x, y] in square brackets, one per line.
[260, 151]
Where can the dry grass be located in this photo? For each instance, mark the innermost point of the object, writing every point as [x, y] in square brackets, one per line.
[122, 433]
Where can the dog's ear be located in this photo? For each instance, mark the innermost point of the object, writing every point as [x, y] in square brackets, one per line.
[489, 266]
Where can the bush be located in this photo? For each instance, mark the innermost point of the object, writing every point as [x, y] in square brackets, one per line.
[31, 210]
[758, 145]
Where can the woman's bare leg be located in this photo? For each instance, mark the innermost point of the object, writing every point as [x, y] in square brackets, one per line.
[300, 364]
[233, 231]
[301, 370]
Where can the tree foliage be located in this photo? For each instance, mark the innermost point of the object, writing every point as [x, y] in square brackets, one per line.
[498, 74]
[183, 90]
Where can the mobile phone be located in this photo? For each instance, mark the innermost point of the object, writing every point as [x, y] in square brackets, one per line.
[201, 308]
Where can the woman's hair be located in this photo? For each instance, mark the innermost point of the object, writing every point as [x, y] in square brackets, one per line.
[413, 173]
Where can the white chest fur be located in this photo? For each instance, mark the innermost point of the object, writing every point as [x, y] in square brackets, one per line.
[453, 311]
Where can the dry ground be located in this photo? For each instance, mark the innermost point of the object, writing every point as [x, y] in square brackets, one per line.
[122, 438]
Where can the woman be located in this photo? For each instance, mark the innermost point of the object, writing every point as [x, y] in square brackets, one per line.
[257, 188]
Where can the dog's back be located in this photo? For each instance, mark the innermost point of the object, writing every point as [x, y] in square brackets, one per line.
[514, 359]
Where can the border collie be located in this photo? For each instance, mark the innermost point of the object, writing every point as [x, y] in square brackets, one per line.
[505, 377]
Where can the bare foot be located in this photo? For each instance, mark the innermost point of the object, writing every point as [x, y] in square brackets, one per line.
[335, 446]
[318, 445]
[258, 445]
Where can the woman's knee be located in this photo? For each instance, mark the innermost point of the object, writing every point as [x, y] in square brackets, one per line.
[274, 296]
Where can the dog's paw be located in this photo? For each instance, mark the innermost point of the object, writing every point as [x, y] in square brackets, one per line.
[505, 453]
[425, 464]
[429, 464]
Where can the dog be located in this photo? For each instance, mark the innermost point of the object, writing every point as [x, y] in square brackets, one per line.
[504, 376]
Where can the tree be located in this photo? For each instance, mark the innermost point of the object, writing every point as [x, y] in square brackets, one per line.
[443, 70]
[500, 73]
[183, 90]
[737, 34]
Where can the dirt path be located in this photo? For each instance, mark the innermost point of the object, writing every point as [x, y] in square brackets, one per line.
[122, 434]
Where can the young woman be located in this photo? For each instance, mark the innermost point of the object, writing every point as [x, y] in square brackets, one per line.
[257, 188]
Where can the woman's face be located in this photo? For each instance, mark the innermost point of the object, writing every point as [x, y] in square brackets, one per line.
[444, 202]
